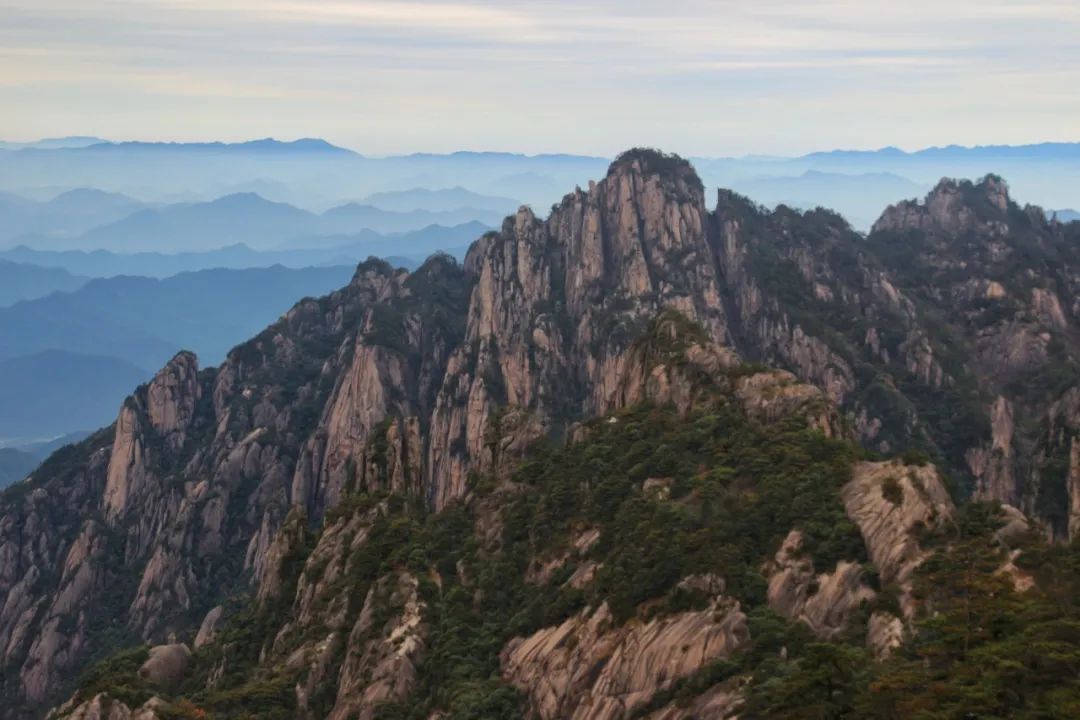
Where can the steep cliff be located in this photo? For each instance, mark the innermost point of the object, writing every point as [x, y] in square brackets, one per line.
[992, 282]
[634, 662]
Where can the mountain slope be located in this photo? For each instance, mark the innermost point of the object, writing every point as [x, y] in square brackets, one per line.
[146, 321]
[246, 218]
[554, 480]
[68, 214]
[243, 217]
[55, 392]
[15, 465]
[993, 282]
[442, 200]
[19, 281]
[415, 245]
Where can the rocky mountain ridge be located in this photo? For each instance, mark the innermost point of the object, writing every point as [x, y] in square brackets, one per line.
[286, 467]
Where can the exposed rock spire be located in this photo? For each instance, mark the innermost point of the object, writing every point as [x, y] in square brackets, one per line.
[159, 413]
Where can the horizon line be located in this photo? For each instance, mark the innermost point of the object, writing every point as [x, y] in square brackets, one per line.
[891, 148]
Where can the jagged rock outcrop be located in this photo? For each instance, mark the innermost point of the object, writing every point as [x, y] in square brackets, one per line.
[382, 639]
[280, 560]
[63, 553]
[720, 703]
[993, 465]
[103, 707]
[884, 633]
[208, 628]
[540, 570]
[824, 602]
[890, 503]
[673, 363]
[948, 209]
[996, 272]
[164, 511]
[1073, 487]
[588, 667]
[557, 305]
[773, 395]
[382, 658]
[160, 414]
[769, 328]
[166, 665]
[1056, 472]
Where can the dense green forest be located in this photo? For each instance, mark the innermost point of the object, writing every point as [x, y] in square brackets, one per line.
[731, 489]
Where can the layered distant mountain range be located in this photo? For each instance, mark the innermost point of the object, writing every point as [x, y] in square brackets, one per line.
[316, 176]
[93, 220]
[67, 359]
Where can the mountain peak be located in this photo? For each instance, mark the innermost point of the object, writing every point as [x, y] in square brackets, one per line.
[241, 198]
[163, 409]
[990, 188]
[951, 206]
[298, 145]
[650, 161]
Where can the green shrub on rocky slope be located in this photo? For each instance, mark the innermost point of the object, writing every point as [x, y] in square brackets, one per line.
[644, 499]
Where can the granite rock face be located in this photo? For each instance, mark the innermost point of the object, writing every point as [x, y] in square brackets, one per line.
[166, 665]
[588, 667]
[890, 503]
[994, 278]
[824, 602]
[381, 664]
[101, 707]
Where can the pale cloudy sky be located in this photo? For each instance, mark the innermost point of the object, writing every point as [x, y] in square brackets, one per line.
[591, 76]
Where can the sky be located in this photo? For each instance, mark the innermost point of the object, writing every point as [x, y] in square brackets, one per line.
[592, 76]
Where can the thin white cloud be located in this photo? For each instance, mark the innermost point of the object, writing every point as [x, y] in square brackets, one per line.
[592, 75]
